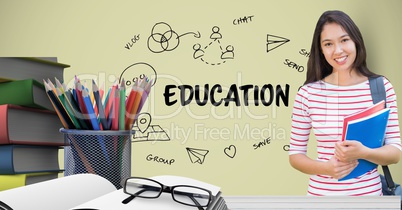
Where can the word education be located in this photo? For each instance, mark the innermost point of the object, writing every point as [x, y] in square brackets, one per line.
[215, 95]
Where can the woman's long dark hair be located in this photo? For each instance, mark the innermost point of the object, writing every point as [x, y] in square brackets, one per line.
[317, 66]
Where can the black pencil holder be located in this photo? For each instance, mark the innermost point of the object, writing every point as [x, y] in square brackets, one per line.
[105, 153]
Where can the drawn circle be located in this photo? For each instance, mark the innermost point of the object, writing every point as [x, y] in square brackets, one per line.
[138, 71]
[215, 29]
[197, 46]
[163, 38]
[143, 121]
[230, 48]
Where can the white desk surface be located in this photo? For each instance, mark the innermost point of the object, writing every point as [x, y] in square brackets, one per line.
[313, 202]
[113, 200]
[90, 191]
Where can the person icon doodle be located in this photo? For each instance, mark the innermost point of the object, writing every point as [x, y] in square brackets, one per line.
[198, 52]
[215, 33]
[229, 53]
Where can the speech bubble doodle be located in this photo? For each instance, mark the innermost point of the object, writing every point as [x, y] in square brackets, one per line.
[136, 72]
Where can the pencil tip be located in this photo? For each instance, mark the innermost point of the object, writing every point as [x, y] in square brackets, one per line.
[122, 83]
[47, 88]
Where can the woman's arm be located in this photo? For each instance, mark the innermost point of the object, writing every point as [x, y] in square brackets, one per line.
[353, 150]
[332, 167]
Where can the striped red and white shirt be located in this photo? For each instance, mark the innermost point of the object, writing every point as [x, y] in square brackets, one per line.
[321, 107]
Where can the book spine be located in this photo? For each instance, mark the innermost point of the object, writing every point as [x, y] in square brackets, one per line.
[6, 160]
[22, 93]
[9, 159]
[4, 137]
[18, 68]
[20, 180]
[18, 93]
[5, 133]
[12, 181]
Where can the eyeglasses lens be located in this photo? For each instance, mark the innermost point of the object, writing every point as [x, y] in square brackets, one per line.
[191, 196]
[143, 188]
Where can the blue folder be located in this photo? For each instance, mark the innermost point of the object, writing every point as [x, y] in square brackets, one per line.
[370, 131]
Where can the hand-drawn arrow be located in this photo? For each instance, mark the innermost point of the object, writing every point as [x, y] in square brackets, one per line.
[196, 34]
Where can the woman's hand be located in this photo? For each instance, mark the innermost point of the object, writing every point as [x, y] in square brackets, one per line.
[338, 169]
[346, 151]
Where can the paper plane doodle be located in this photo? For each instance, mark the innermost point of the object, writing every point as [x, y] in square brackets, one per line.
[274, 42]
[197, 155]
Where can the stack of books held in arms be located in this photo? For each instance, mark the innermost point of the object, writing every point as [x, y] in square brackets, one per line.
[30, 140]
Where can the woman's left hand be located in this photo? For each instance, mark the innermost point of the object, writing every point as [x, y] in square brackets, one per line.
[349, 150]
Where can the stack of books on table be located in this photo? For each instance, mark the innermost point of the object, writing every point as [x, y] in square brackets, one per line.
[30, 140]
[185, 196]
[218, 203]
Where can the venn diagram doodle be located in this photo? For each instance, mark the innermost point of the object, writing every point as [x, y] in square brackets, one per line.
[211, 50]
[163, 38]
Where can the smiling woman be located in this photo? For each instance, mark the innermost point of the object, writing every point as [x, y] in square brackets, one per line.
[336, 86]
[338, 48]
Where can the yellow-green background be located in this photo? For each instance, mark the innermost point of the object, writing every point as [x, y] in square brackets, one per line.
[91, 35]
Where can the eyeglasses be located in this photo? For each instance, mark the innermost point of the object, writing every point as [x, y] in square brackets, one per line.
[184, 194]
[4, 206]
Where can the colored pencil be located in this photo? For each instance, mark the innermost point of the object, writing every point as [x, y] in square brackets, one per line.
[101, 110]
[61, 112]
[90, 110]
[122, 108]
[68, 107]
[77, 111]
[144, 97]
[94, 121]
[110, 101]
[136, 103]
[81, 104]
[129, 104]
[116, 106]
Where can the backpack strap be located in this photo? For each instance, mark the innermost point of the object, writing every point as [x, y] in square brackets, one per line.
[378, 94]
[377, 89]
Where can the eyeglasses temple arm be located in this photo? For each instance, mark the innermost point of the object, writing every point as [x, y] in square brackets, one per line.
[131, 197]
[196, 202]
